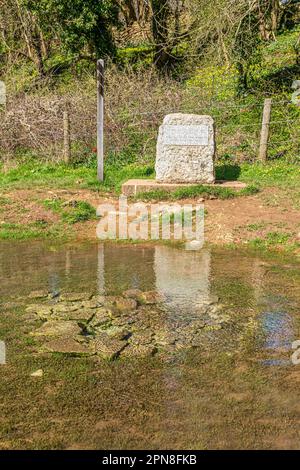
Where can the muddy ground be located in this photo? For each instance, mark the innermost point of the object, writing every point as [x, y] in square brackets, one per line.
[232, 221]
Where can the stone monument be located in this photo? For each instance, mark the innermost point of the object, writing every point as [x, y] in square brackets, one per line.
[185, 156]
[186, 149]
[2, 93]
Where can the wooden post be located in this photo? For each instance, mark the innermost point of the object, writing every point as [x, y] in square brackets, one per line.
[100, 118]
[67, 138]
[265, 130]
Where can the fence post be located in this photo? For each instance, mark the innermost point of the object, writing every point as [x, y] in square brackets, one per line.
[100, 118]
[265, 130]
[67, 137]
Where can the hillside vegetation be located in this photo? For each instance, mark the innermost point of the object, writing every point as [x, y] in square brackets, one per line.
[221, 58]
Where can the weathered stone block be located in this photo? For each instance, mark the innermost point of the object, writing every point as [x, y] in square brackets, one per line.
[186, 149]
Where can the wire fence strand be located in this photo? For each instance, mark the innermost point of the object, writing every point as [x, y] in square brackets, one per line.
[35, 123]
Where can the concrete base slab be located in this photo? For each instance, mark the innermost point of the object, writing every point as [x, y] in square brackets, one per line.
[135, 187]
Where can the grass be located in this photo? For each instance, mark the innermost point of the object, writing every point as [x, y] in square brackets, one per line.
[276, 174]
[70, 213]
[275, 240]
[33, 231]
[73, 212]
[34, 174]
[256, 226]
[196, 191]
[4, 201]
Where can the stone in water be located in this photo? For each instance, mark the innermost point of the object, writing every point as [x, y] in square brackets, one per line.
[37, 373]
[2, 93]
[186, 149]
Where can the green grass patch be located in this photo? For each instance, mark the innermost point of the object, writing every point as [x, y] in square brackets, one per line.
[73, 212]
[275, 240]
[35, 174]
[115, 175]
[33, 231]
[4, 201]
[255, 227]
[276, 174]
[196, 191]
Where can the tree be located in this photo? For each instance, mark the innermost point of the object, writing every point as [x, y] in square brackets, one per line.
[40, 30]
[83, 26]
[165, 21]
[134, 11]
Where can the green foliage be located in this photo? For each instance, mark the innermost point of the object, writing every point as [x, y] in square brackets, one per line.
[218, 81]
[247, 49]
[84, 26]
[138, 56]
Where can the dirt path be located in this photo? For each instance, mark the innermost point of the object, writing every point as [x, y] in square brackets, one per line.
[227, 221]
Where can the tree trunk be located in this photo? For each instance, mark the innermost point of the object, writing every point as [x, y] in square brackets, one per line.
[128, 11]
[160, 16]
[38, 47]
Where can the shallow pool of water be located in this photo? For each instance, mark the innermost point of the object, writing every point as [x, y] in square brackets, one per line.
[239, 390]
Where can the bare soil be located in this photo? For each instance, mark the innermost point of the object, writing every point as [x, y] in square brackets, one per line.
[235, 221]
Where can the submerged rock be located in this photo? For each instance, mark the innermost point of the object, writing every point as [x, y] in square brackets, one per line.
[58, 328]
[38, 294]
[134, 324]
[142, 337]
[148, 298]
[42, 311]
[107, 347]
[139, 350]
[100, 317]
[75, 297]
[67, 346]
[165, 338]
[121, 305]
[37, 373]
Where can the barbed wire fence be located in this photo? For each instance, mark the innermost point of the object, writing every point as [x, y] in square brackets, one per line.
[64, 127]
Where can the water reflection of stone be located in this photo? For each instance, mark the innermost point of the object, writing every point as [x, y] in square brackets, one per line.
[278, 330]
[2, 353]
[128, 267]
[275, 324]
[183, 278]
